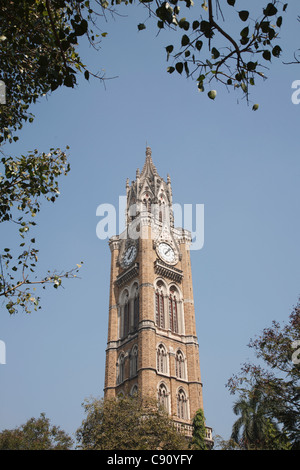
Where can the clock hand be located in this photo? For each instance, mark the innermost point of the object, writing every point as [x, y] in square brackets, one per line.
[130, 251]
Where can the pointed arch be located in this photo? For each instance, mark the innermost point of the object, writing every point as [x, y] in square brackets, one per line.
[123, 313]
[160, 308]
[134, 391]
[162, 365]
[134, 360]
[163, 396]
[121, 368]
[182, 404]
[136, 306]
[180, 365]
[175, 309]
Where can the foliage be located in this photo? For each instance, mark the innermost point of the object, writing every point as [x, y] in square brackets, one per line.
[38, 53]
[199, 431]
[24, 181]
[39, 40]
[35, 434]
[279, 380]
[254, 430]
[212, 48]
[128, 423]
[223, 444]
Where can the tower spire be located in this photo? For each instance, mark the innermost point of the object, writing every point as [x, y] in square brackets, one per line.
[149, 167]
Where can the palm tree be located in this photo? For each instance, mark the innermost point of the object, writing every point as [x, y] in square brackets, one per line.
[252, 428]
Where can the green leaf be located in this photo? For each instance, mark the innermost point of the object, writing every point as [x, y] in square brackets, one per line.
[206, 29]
[244, 33]
[179, 67]
[170, 69]
[141, 26]
[199, 45]
[270, 10]
[215, 53]
[212, 94]
[184, 24]
[185, 40]
[244, 15]
[267, 55]
[169, 49]
[231, 2]
[276, 51]
[251, 66]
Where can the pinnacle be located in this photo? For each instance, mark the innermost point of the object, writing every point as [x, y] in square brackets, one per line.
[149, 167]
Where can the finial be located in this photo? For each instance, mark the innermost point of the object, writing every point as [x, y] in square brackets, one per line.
[148, 151]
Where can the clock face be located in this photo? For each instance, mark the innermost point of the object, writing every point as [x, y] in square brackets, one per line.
[166, 252]
[129, 255]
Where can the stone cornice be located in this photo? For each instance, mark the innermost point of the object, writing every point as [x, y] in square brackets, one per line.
[127, 275]
[170, 272]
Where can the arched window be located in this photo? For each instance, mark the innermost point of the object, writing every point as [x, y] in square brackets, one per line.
[163, 397]
[124, 314]
[173, 311]
[179, 365]
[159, 308]
[147, 203]
[136, 310]
[182, 410]
[161, 359]
[134, 391]
[121, 368]
[161, 212]
[126, 317]
[134, 361]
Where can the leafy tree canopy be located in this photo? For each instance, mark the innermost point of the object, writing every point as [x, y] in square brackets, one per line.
[199, 431]
[24, 182]
[276, 376]
[128, 423]
[35, 434]
[214, 42]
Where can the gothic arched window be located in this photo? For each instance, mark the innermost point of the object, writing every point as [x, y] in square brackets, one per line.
[121, 368]
[182, 410]
[134, 391]
[134, 361]
[161, 359]
[163, 397]
[159, 308]
[173, 311]
[126, 317]
[136, 310]
[147, 203]
[179, 365]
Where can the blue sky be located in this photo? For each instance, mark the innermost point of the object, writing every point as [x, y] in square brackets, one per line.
[242, 165]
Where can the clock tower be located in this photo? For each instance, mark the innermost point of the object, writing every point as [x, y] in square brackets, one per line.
[152, 346]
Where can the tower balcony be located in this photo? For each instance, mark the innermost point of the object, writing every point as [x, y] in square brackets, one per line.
[187, 430]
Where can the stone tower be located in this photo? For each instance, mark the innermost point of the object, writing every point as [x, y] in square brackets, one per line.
[152, 346]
